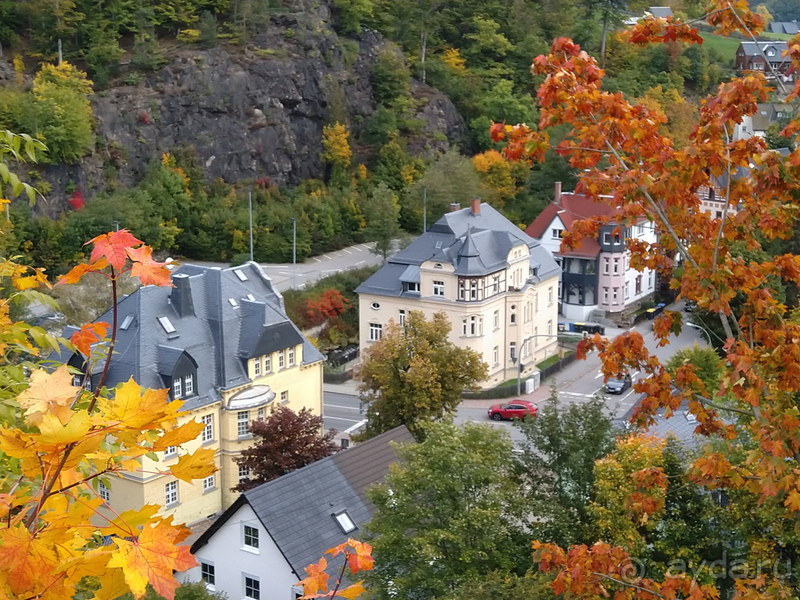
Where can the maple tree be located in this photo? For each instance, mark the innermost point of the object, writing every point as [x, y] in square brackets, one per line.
[285, 441]
[66, 438]
[628, 162]
[328, 305]
[356, 557]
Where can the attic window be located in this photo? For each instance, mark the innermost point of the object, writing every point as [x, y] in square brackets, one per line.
[126, 323]
[345, 522]
[166, 324]
[439, 244]
[240, 274]
[251, 297]
[437, 266]
[233, 302]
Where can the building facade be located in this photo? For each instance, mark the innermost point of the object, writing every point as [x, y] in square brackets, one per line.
[596, 276]
[220, 341]
[755, 56]
[497, 286]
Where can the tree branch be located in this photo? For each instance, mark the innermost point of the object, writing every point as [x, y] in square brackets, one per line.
[630, 585]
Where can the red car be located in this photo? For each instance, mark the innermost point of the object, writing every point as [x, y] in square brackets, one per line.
[516, 409]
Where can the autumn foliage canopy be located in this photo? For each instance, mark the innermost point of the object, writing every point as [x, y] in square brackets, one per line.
[628, 163]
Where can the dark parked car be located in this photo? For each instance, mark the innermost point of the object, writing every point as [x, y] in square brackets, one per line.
[689, 306]
[616, 385]
[516, 409]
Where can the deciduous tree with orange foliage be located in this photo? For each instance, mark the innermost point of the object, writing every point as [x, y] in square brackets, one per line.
[65, 439]
[627, 161]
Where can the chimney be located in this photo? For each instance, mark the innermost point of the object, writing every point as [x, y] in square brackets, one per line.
[181, 295]
[454, 206]
[557, 199]
[476, 206]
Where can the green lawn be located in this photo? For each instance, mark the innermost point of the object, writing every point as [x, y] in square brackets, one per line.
[549, 361]
[727, 47]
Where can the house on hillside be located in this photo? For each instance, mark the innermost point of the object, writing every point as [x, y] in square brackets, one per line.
[785, 27]
[757, 124]
[660, 12]
[597, 275]
[497, 286]
[220, 341]
[259, 547]
[754, 56]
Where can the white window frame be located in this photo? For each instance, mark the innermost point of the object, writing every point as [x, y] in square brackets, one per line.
[555, 233]
[171, 452]
[250, 534]
[209, 577]
[496, 319]
[208, 431]
[512, 350]
[261, 414]
[291, 357]
[171, 493]
[243, 419]
[257, 367]
[177, 388]
[103, 491]
[375, 332]
[550, 296]
[402, 317]
[281, 359]
[256, 593]
[496, 355]
[285, 397]
[188, 385]
[209, 483]
[267, 364]
[438, 289]
[244, 473]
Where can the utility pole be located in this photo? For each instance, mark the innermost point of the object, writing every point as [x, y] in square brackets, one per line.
[424, 209]
[250, 209]
[116, 225]
[294, 253]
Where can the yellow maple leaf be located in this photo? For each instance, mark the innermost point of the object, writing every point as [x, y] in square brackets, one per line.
[133, 409]
[180, 435]
[198, 465]
[28, 559]
[48, 392]
[352, 591]
[51, 431]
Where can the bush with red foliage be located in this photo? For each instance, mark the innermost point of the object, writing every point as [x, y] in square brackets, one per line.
[76, 200]
[327, 306]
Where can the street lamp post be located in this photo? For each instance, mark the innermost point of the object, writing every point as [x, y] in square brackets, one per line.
[294, 252]
[703, 329]
[518, 360]
[250, 210]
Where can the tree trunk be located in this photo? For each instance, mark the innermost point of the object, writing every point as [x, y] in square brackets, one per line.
[423, 46]
[603, 41]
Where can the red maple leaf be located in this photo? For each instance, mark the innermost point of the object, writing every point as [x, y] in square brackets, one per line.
[149, 271]
[88, 335]
[114, 247]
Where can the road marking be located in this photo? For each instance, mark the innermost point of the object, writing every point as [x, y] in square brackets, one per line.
[285, 272]
[361, 262]
[600, 374]
[358, 425]
[342, 419]
[316, 259]
[358, 248]
[339, 406]
[625, 396]
[338, 254]
[600, 389]
[346, 250]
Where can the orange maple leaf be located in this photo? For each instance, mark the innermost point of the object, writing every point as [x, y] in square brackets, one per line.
[149, 271]
[78, 271]
[113, 246]
[28, 560]
[361, 559]
[88, 335]
[352, 591]
[152, 558]
[317, 578]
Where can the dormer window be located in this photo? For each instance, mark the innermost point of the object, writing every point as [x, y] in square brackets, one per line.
[413, 286]
[126, 323]
[177, 388]
[188, 384]
[771, 52]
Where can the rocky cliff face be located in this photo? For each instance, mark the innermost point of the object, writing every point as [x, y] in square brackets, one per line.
[249, 111]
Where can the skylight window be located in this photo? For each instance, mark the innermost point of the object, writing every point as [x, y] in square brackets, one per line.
[240, 274]
[233, 302]
[251, 297]
[439, 244]
[126, 323]
[166, 324]
[345, 522]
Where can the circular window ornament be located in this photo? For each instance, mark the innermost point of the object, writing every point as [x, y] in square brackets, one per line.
[375, 305]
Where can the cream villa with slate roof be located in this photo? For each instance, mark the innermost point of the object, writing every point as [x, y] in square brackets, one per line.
[497, 285]
[221, 341]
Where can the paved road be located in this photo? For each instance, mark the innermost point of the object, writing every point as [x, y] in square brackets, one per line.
[341, 410]
[577, 383]
[284, 276]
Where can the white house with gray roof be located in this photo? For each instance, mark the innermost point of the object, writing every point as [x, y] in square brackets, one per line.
[259, 548]
[497, 285]
[221, 341]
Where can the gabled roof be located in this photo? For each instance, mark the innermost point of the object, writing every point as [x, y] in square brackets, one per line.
[476, 244]
[297, 509]
[660, 12]
[790, 27]
[571, 208]
[752, 49]
[222, 310]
